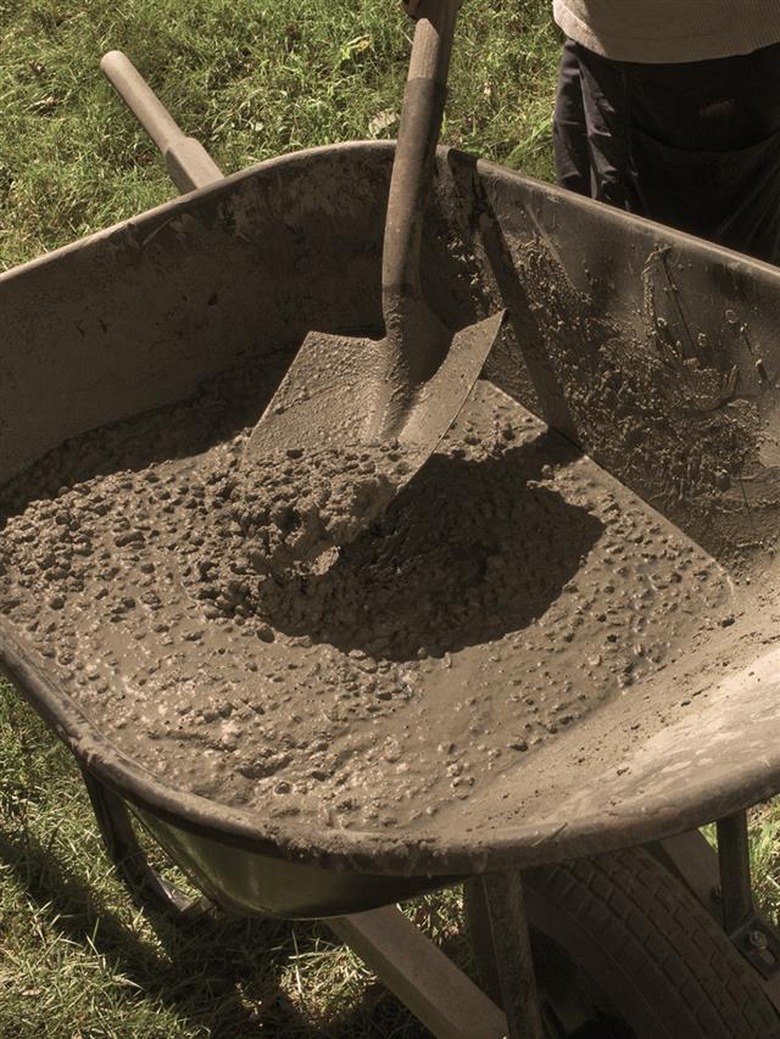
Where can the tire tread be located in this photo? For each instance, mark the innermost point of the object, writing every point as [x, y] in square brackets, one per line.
[654, 926]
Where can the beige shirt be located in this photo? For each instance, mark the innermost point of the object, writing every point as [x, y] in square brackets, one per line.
[669, 30]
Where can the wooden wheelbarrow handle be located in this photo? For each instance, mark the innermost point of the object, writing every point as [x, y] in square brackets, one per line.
[188, 163]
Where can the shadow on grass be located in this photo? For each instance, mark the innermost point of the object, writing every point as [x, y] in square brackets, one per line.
[220, 975]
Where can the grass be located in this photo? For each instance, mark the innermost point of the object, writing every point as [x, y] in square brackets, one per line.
[250, 79]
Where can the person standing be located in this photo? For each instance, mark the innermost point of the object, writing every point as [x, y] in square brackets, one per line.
[670, 109]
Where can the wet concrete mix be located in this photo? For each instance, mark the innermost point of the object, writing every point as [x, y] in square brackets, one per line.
[200, 614]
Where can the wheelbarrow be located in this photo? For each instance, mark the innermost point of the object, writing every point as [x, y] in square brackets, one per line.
[642, 365]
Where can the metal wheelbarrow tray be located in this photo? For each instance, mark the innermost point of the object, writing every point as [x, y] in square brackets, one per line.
[656, 357]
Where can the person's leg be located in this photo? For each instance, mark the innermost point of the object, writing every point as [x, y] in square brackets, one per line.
[705, 144]
[722, 105]
[590, 132]
[693, 145]
[570, 139]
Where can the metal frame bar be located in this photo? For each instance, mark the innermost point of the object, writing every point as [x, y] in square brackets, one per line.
[721, 881]
[147, 888]
[736, 891]
[425, 979]
[440, 995]
[755, 938]
[513, 960]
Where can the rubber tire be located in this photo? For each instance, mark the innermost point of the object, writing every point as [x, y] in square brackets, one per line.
[644, 942]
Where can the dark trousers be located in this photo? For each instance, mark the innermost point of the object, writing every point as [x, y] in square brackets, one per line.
[693, 145]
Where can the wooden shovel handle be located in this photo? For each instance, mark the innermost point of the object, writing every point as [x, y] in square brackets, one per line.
[417, 8]
[421, 116]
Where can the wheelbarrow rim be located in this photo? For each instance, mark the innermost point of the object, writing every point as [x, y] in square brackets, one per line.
[518, 845]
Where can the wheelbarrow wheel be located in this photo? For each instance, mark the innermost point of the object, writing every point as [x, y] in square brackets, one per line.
[622, 950]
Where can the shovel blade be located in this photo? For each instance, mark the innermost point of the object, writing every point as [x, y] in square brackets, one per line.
[326, 399]
[440, 399]
[324, 413]
[331, 392]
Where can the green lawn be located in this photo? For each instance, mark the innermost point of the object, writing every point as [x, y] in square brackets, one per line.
[250, 79]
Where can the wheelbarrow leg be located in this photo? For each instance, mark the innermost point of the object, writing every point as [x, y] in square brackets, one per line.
[734, 858]
[721, 880]
[504, 902]
[147, 887]
[756, 939]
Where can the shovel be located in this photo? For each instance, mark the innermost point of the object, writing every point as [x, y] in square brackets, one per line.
[383, 403]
